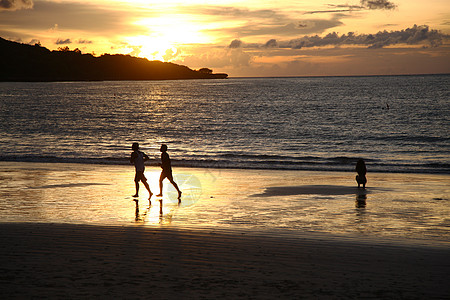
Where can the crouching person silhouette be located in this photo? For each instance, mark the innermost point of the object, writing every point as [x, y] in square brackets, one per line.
[361, 170]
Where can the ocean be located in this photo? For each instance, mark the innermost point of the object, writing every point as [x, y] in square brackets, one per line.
[395, 123]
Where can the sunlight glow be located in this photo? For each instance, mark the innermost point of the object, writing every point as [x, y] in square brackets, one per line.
[166, 34]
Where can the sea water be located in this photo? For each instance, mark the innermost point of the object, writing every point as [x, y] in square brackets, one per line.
[396, 123]
[290, 125]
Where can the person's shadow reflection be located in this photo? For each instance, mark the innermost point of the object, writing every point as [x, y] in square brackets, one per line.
[151, 214]
[137, 215]
[360, 204]
[361, 200]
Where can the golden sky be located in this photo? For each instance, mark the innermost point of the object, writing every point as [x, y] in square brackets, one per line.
[246, 38]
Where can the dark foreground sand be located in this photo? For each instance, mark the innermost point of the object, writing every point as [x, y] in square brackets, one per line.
[88, 262]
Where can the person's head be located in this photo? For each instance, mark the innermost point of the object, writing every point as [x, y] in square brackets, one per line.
[135, 146]
[163, 148]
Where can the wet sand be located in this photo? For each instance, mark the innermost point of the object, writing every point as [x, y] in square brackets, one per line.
[74, 231]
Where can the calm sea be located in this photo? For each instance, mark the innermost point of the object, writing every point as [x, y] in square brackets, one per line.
[396, 123]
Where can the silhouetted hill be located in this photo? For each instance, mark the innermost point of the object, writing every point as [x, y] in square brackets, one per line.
[22, 62]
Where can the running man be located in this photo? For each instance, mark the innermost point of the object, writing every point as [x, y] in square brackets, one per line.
[138, 158]
[166, 172]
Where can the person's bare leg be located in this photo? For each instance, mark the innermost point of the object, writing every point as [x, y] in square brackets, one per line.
[160, 186]
[137, 189]
[176, 187]
[148, 189]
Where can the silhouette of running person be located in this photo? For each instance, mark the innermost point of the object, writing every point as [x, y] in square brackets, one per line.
[361, 170]
[138, 158]
[166, 172]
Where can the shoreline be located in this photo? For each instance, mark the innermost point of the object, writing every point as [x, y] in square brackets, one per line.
[153, 163]
[83, 261]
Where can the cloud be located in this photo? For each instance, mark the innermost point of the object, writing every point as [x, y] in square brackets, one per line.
[338, 62]
[80, 41]
[68, 16]
[378, 4]
[63, 42]
[365, 5]
[271, 44]
[171, 54]
[235, 44]
[217, 58]
[34, 42]
[234, 13]
[411, 36]
[15, 4]
[308, 26]
[264, 22]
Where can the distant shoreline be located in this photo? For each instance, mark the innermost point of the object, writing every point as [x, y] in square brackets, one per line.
[338, 76]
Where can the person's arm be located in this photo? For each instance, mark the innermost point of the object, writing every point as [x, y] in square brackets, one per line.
[132, 157]
[146, 157]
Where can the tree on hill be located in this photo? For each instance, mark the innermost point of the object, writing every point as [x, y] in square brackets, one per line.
[205, 71]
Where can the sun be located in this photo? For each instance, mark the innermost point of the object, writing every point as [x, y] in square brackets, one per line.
[157, 49]
[166, 35]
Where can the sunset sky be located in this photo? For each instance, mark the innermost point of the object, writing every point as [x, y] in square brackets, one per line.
[246, 37]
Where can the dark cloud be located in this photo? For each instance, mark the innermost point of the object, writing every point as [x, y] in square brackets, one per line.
[378, 4]
[271, 44]
[337, 9]
[308, 26]
[15, 4]
[63, 42]
[412, 36]
[365, 4]
[235, 44]
[80, 41]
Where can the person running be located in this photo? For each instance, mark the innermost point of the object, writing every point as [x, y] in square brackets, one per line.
[166, 172]
[138, 158]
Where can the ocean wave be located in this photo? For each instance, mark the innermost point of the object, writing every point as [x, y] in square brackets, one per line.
[343, 164]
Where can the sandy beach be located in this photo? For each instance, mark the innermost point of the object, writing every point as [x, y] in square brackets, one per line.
[74, 231]
[79, 261]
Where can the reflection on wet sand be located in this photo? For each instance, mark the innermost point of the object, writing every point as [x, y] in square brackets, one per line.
[400, 204]
[325, 190]
[361, 200]
[361, 213]
[155, 214]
